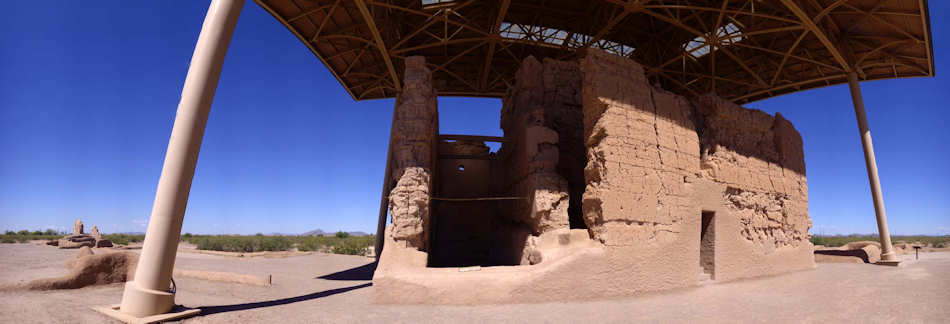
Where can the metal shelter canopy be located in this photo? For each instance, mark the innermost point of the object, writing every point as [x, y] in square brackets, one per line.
[744, 50]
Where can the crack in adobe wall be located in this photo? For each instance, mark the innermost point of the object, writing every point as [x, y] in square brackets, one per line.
[637, 167]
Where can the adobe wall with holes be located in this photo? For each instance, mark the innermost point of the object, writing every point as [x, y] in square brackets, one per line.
[657, 161]
[654, 164]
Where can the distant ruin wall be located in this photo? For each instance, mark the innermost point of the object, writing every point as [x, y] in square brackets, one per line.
[415, 129]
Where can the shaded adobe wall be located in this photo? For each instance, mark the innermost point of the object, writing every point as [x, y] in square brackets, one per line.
[468, 233]
[656, 162]
[414, 148]
[561, 102]
[758, 163]
[527, 162]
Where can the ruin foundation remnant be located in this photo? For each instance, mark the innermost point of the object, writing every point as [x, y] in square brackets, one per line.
[80, 239]
[603, 186]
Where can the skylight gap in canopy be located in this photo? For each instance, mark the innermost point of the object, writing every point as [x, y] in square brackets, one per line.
[554, 37]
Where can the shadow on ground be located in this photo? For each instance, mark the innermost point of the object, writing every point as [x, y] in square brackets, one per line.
[363, 272]
[208, 310]
[851, 253]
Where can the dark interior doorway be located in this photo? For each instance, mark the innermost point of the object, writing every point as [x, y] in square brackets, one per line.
[707, 244]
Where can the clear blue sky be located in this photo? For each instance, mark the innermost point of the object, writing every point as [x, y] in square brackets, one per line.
[88, 92]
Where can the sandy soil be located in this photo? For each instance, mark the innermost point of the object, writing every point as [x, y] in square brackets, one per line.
[335, 288]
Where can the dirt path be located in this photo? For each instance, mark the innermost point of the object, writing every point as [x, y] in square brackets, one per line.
[917, 292]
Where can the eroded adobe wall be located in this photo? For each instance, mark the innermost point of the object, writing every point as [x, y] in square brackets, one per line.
[642, 150]
[561, 103]
[527, 162]
[656, 162]
[414, 148]
[758, 162]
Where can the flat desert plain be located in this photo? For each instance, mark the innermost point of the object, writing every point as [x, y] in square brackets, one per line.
[316, 288]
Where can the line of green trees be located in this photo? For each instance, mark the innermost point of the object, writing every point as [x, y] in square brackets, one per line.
[24, 236]
[339, 243]
[839, 240]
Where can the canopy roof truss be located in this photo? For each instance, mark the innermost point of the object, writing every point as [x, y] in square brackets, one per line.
[744, 50]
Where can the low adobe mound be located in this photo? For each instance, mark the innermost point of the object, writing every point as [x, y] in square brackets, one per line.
[854, 252]
[87, 269]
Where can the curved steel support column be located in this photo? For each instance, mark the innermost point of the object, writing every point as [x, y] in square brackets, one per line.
[149, 293]
[887, 250]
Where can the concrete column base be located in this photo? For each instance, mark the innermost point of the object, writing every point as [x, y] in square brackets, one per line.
[889, 259]
[888, 263]
[142, 302]
[177, 313]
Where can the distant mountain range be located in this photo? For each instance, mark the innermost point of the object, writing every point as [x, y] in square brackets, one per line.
[316, 232]
[319, 232]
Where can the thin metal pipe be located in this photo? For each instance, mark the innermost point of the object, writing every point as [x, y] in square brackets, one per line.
[887, 250]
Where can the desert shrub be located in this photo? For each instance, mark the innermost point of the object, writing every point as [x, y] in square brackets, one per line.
[342, 234]
[310, 243]
[351, 248]
[275, 243]
[354, 245]
[124, 239]
[240, 243]
[24, 236]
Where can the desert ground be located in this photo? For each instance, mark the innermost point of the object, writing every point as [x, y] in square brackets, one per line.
[318, 287]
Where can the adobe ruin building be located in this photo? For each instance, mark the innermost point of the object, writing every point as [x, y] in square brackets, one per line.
[612, 178]
[603, 186]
